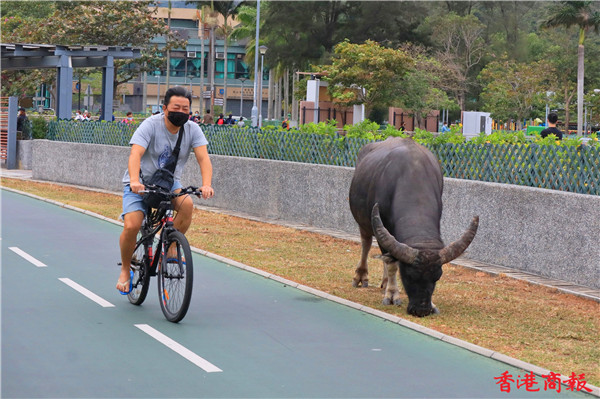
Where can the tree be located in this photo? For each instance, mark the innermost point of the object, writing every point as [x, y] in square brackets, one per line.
[366, 73]
[110, 23]
[226, 9]
[580, 13]
[459, 47]
[420, 91]
[513, 90]
[15, 14]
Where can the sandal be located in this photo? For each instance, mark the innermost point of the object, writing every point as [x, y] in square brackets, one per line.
[126, 283]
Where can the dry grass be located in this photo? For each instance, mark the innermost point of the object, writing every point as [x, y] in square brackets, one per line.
[532, 323]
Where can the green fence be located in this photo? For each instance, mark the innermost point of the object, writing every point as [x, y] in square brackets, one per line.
[574, 169]
[91, 132]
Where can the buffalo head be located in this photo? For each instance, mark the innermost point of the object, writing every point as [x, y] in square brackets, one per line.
[420, 269]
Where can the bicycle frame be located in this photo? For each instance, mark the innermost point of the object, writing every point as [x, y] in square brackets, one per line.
[165, 225]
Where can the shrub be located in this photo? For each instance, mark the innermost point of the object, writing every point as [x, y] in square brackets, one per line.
[39, 127]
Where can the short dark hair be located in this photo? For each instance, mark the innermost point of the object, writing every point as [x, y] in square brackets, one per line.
[177, 91]
[552, 117]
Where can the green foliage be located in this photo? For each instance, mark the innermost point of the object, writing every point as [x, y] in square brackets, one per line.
[422, 136]
[365, 73]
[371, 131]
[328, 128]
[513, 90]
[500, 137]
[39, 127]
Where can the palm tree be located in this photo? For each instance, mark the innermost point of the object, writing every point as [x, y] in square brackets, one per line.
[226, 9]
[569, 13]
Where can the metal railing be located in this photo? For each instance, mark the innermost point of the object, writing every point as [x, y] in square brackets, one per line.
[573, 169]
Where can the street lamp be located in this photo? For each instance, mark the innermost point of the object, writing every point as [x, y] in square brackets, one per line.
[242, 96]
[255, 97]
[263, 51]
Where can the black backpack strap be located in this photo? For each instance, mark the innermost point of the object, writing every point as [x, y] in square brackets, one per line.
[171, 163]
[176, 149]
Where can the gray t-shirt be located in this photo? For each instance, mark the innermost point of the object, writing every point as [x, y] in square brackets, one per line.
[153, 135]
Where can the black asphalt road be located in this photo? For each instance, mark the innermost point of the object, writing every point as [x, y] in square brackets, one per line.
[253, 336]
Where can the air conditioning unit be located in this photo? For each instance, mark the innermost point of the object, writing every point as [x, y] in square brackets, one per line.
[220, 56]
[191, 54]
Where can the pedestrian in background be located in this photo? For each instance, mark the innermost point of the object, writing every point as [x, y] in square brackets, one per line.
[552, 129]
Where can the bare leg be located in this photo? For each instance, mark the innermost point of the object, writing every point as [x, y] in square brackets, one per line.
[183, 219]
[133, 222]
[361, 276]
[184, 207]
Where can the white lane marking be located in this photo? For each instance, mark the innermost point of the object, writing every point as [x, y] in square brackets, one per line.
[84, 291]
[180, 349]
[27, 257]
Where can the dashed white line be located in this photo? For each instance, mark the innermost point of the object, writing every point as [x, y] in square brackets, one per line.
[89, 294]
[27, 257]
[180, 349]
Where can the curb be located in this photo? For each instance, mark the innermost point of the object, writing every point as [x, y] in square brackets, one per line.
[324, 295]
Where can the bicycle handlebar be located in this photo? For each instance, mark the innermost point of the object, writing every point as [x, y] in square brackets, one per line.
[158, 190]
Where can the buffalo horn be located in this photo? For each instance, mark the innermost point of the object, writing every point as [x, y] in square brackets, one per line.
[455, 249]
[388, 243]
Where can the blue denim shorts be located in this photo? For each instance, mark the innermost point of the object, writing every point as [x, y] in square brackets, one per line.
[133, 202]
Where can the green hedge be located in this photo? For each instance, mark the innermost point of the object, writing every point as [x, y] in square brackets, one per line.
[502, 157]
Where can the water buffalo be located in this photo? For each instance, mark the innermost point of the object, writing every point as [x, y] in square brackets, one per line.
[396, 196]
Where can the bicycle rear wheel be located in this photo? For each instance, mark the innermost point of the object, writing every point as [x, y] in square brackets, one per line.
[140, 264]
[175, 277]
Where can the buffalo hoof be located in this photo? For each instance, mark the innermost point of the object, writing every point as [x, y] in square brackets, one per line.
[358, 284]
[389, 301]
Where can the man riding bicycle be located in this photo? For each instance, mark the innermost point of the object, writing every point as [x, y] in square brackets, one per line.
[151, 146]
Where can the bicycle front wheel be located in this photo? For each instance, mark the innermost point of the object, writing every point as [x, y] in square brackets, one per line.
[175, 277]
[140, 264]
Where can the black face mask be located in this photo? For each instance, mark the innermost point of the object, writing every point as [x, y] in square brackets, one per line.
[178, 118]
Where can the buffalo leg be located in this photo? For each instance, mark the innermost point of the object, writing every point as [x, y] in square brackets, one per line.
[392, 294]
[361, 276]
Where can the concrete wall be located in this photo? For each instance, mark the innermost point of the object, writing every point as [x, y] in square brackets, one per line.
[24, 150]
[551, 233]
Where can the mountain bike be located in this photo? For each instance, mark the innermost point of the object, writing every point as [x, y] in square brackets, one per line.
[170, 259]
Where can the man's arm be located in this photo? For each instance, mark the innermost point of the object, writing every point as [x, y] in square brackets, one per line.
[203, 159]
[134, 165]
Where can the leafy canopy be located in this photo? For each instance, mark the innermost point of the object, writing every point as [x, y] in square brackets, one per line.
[365, 73]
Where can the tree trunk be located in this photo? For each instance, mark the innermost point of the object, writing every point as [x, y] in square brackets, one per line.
[286, 96]
[295, 79]
[568, 97]
[202, 67]
[270, 102]
[225, 68]
[277, 105]
[580, 70]
[211, 69]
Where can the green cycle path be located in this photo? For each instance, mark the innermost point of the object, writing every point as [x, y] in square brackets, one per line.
[67, 333]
